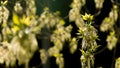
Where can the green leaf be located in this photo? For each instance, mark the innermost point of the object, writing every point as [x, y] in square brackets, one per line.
[16, 19]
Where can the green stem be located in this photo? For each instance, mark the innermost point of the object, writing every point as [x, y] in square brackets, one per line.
[27, 64]
[89, 63]
[113, 59]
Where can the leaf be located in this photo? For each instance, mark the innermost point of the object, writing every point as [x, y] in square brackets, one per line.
[15, 29]
[62, 22]
[16, 19]
[26, 21]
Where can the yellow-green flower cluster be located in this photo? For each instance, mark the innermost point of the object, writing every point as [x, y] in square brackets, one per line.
[49, 20]
[76, 7]
[20, 23]
[31, 7]
[109, 22]
[4, 14]
[111, 41]
[89, 35]
[117, 63]
[18, 8]
[4, 2]
[87, 17]
[22, 46]
[99, 3]
[73, 45]
[57, 33]
[108, 25]
[89, 45]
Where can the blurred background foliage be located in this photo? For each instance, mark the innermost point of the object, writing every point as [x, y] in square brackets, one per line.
[59, 33]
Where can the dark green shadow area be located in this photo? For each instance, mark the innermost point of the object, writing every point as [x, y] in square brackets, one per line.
[54, 5]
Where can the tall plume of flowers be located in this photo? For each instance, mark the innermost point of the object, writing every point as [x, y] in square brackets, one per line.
[18, 41]
[86, 31]
[108, 25]
[57, 34]
[89, 45]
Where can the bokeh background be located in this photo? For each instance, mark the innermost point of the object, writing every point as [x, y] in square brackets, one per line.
[103, 56]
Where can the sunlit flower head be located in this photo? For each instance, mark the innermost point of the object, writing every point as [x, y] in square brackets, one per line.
[87, 17]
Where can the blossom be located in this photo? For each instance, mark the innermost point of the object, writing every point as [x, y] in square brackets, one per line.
[87, 17]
